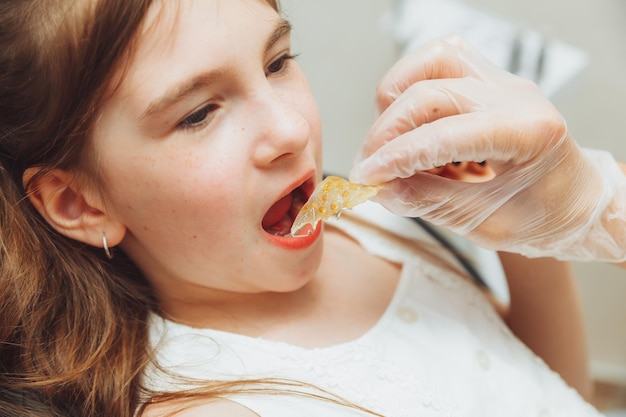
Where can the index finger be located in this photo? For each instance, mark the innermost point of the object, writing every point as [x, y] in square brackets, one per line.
[437, 59]
[464, 137]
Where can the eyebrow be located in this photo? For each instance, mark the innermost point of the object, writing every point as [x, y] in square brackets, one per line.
[282, 29]
[187, 87]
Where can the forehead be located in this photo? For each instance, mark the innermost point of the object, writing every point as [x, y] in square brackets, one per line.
[167, 17]
[179, 37]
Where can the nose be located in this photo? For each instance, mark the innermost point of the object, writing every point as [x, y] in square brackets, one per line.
[281, 129]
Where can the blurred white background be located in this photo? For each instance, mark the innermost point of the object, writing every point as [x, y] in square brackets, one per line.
[346, 48]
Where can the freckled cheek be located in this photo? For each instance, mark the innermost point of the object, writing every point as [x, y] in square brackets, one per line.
[316, 132]
[140, 196]
[162, 171]
[297, 93]
[208, 200]
[310, 110]
[182, 216]
[179, 186]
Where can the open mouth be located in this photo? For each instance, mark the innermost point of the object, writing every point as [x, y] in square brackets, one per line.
[280, 217]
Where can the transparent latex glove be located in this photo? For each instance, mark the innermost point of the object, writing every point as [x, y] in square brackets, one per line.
[547, 196]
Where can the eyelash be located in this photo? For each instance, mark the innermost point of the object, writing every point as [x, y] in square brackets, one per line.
[201, 117]
[198, 118]
[281, 61]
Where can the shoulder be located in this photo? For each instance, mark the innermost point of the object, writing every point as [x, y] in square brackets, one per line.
[197, 408]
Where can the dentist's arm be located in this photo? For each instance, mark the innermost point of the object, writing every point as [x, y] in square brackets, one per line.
[548, 197]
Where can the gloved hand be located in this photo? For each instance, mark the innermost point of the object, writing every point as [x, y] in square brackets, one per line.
[548, 197]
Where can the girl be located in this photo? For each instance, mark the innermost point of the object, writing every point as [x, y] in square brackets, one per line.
[154, 155]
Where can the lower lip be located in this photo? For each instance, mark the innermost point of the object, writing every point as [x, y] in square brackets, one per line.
[290, 242]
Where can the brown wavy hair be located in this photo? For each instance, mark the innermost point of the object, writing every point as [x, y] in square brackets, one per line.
[73, 324]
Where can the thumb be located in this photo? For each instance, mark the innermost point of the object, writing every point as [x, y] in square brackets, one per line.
[418, 195]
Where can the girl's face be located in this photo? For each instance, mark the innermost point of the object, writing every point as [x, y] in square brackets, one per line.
[209, 142]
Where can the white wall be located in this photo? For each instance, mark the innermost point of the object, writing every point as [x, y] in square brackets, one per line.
[345, 50]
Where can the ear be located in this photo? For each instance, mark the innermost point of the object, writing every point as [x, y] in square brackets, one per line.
[71, 211]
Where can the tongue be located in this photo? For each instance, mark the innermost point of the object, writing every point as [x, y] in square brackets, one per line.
[277, 212]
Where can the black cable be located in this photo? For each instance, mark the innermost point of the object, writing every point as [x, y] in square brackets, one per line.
[469, 268]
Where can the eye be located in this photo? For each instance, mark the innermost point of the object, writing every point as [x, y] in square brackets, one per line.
[279, 64]
[199, 117]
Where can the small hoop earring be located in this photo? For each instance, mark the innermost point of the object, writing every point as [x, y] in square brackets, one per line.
[105, 245]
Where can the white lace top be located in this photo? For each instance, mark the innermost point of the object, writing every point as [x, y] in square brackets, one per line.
[440, 349]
